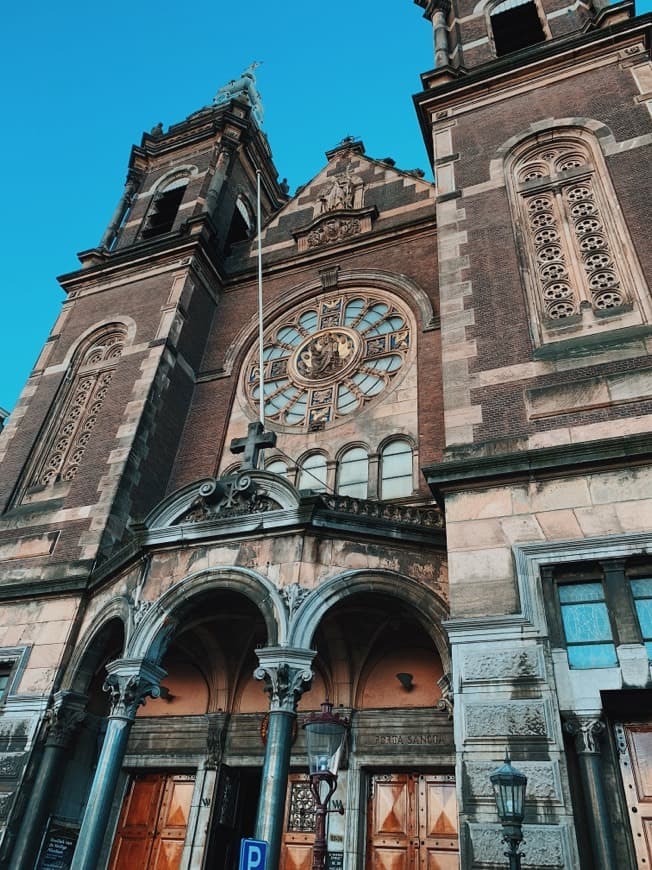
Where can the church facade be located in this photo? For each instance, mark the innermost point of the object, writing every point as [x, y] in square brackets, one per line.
[442, 523]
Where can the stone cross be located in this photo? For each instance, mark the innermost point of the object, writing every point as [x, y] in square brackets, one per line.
[256, 441]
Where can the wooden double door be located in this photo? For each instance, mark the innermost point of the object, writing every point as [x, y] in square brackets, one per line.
[635, 751]
[153, 822]
[412, 822]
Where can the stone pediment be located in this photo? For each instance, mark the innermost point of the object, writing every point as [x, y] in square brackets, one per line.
[235, 495]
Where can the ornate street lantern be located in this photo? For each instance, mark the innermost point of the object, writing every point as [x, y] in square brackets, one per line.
[509, 790]
[325, 736]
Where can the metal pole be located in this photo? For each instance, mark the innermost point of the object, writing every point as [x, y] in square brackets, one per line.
[319, 847]
[269, 823]
[260, 302]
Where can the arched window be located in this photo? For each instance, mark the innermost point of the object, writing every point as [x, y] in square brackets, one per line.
[312, 474]
[165, 205]
[75, 415]
[579, 255]
[353, 473]
[242, 223]
[515, 24]
[277, 466]
[396, 470]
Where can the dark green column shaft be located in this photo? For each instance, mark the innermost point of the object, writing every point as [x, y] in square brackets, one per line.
[271, 804]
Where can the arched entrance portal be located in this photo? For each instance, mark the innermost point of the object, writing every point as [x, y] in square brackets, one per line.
[195, 754]
[379, 662]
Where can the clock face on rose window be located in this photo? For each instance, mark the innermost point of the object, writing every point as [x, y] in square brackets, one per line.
[329, 358]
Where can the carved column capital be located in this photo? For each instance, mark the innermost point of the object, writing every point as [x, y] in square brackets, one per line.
[287, 673]
[66, 714]
[586, 730]
[130, 682]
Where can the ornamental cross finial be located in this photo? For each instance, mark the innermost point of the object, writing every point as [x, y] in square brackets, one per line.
[255, 442]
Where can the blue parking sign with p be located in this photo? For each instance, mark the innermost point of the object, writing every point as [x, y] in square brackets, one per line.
[253, 854]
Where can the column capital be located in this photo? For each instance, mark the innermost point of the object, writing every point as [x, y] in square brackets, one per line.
[66, 714]
[130, 682]
[431, 6]
[286, 671]
[586, 730]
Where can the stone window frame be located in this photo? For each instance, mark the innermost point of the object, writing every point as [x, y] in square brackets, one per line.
[543, 19]
[168, 181]
[488, 11]
[386, 442]
[344, 451]
[13, 659]
[614, 574]
[81, 367]
[587, 324]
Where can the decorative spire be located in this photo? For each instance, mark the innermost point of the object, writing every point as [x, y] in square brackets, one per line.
[243, 87]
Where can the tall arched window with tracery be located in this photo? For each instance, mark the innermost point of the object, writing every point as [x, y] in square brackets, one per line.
[76, 413]
[576, 243]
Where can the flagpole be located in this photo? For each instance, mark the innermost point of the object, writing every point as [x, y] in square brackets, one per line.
[261, 376]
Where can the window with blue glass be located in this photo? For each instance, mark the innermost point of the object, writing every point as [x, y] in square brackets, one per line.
[586, 624]
[642, 593]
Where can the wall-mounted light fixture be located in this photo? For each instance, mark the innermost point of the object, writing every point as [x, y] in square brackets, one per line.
[406, 681]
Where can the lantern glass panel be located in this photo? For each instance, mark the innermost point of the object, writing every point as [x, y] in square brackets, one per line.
[324, 740]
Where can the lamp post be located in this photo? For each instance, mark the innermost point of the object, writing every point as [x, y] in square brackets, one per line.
[509, 790]
[325, 734]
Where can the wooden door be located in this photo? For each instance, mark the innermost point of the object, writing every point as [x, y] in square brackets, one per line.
[299, 829]
[412, 822]
[153, 821]
[635, 752]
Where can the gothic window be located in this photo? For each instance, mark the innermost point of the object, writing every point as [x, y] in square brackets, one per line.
[329, 358]
[642, 593]
[396, 470]
[353, 473]
[76, 413]
[312, 473]
[164, 208]
[586, 625]
[242, 223]
[579, 256]
[515, 24]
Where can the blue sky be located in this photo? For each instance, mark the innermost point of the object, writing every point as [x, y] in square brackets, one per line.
[83, 80]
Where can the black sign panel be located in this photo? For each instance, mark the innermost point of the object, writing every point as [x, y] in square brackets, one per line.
[335, 861]
[58, 847]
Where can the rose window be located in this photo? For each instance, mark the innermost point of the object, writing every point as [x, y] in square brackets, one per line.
[329, 360]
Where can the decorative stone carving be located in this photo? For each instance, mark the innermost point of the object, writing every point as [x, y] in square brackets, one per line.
[430, 517]
[78, 413]
[129, 684]
[243, 88]
[558, 191]
[293, 595]
[445, 703]
[587, 731]
[505, 663]
[509, 719]
[544, 846]
[333, 230]
[236, 495]
[65, 715]
[543, 781]
[215, 744]
[6, 802]
[140, 609]
[287, 674]
[11, 764]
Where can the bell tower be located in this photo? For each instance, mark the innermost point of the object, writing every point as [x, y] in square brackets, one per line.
[537, 119]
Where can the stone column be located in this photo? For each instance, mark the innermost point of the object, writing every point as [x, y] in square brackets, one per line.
[64, 716]
[129, 681]
[587, 730]
[287, 673]
[221, 169]
[111, 232]
[437, 11]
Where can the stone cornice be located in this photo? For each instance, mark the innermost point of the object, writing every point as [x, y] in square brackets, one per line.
[476, 469]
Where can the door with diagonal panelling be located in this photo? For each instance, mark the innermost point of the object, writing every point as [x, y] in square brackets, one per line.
[153, 822]
[412, 822]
